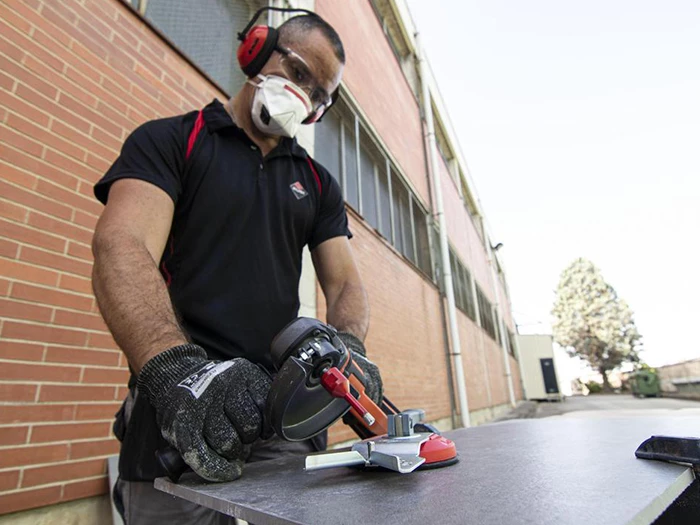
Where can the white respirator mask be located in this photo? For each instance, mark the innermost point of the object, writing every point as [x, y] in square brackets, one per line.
[279, 106]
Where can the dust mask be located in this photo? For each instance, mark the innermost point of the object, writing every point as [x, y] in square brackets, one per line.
[279, 106]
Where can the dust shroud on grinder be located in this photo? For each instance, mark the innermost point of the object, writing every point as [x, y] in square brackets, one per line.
[318, 382]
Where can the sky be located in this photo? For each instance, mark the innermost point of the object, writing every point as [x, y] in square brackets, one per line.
[580, 124]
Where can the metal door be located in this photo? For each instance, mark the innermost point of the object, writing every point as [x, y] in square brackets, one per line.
[549, 376]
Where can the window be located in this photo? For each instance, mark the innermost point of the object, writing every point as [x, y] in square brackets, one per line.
[352, 189]
[327, 144]
[205, 31]
[511, 344]
[420, 222]
[369, 159]
[384, 200]
[403, 236]
[372, 185]
[486, 314]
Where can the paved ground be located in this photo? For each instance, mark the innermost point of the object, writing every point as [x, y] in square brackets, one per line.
[613, 402]
[604, 406]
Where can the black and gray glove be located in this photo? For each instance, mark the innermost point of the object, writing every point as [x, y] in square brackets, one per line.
[209, 410]
[374, 387]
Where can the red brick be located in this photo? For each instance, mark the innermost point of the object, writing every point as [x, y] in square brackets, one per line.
[88, 220]
[10, 210]
[29, 45]
[65, 471]
[61, 393]
[34, 201]
[14, 392]
[29, 499]
[36, 166]
[86, 143]
[13, 435]
[20, 141]
[24, 234]
[87, 449]
[52, 107]
[86, 488]
[10, 172]
[45, 137]
[122, 392]
[69, 431]
[16, 21]
[79, 320]
[30, 312]
[80, 251]
[118, 376]
[76, 284]
[13, 371]
[8, 249]
[65, 229]
[49, 334]
[68, 197]
[4, 287]
[99, 164]
[19, 106]
[12, 158]
[83, 356]
[49, 296]
[9, 480]
[97, 411]
[89, 114]
[101, 341]
[14, 414]
[6, 82]
[34, 455]
[113, 145]
[18, 270]
[29, 81]
[21, 351]
[53, 260]
[59, 16]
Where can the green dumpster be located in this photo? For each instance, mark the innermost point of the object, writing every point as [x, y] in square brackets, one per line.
[645, 383]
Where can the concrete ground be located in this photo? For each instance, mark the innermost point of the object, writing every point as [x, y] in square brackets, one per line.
[604, 405]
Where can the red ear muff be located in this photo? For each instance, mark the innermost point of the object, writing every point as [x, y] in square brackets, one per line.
[256, 48]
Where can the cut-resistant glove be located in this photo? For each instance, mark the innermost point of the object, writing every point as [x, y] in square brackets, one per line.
[374, 387]
[210, 411]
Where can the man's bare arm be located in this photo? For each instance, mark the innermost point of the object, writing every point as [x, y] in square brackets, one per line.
[348, 308]
[128, 243]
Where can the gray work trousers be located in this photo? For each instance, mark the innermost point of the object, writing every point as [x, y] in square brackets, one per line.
[144, 505]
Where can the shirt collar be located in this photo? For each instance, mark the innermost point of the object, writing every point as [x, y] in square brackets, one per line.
[217, 118]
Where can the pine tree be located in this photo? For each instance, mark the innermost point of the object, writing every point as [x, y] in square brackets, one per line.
[592, 322]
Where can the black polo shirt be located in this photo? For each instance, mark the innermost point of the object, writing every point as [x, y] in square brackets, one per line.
[233, 260]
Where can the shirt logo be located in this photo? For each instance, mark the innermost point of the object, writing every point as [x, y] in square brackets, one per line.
[298, 190]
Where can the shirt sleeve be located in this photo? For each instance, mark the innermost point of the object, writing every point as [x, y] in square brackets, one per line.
[155, 153]
[332, 220]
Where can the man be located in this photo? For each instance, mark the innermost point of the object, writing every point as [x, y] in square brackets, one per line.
[197, 265]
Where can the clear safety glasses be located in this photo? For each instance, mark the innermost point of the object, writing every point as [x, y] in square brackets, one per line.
[298, 71]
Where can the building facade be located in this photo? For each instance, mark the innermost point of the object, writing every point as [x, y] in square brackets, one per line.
[77, 76]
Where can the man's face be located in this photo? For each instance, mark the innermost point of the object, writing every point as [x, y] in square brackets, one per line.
[310, 63]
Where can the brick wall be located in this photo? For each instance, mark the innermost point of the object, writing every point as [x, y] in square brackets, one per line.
[75, 78]
[405, 336]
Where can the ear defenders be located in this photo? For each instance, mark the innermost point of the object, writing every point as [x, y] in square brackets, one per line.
[259, 42]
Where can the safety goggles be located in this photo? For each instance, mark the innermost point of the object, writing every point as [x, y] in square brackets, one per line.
[298, 71]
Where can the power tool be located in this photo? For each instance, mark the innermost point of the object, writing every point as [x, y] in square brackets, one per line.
[318, 382]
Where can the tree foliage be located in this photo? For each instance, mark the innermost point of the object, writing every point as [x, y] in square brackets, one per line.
[592, 322]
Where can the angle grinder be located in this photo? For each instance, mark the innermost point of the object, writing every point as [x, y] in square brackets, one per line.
[318, 382]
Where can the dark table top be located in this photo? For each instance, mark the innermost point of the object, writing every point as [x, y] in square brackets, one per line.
[559, 470]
